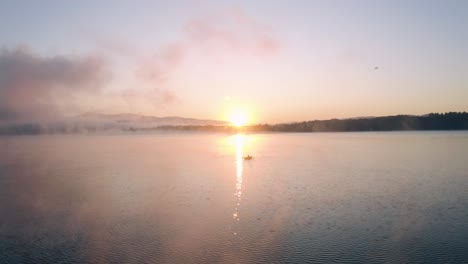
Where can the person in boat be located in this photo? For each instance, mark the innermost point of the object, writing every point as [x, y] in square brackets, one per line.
[248, 157]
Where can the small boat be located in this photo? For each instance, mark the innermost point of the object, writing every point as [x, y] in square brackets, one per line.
[248, 157]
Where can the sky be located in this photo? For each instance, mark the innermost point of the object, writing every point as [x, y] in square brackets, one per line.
[279, 61]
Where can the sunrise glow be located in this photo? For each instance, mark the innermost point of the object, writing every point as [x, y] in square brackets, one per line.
[239, 117]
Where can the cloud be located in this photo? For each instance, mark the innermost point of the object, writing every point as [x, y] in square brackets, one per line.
[224, 35]
[33, 86]
[232, 31]
[158, 67]
[227, 33]
[156, 98]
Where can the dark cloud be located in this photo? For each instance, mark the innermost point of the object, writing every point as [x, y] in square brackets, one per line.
[34, 86]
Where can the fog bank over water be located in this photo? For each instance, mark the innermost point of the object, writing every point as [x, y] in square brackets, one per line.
[34, 88]
[100, 123]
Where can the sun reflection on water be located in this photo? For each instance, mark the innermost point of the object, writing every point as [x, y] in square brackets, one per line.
[240, 146]
[239, 141]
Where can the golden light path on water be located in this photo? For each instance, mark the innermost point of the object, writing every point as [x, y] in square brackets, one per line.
[239, 143]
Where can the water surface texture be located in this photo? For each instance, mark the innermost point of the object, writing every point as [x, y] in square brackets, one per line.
[191, 198]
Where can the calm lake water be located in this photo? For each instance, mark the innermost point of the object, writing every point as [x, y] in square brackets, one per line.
[191, 198]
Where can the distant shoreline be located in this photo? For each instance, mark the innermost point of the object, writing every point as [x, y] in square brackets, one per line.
[430, 122]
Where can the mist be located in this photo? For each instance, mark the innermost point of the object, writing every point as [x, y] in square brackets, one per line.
[35, 87]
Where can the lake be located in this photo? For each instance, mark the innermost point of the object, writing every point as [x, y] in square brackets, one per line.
[393, 197]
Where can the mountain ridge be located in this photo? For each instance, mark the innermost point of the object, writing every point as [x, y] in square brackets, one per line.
[160, 120]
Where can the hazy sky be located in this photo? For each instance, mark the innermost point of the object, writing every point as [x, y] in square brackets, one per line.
[281, 60]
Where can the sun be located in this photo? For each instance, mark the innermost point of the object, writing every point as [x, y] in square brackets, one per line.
[239, 117]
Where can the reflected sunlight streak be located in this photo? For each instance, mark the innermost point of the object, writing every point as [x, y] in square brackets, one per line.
[239, 169]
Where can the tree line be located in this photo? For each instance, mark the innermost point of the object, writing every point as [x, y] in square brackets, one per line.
[433, 121]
